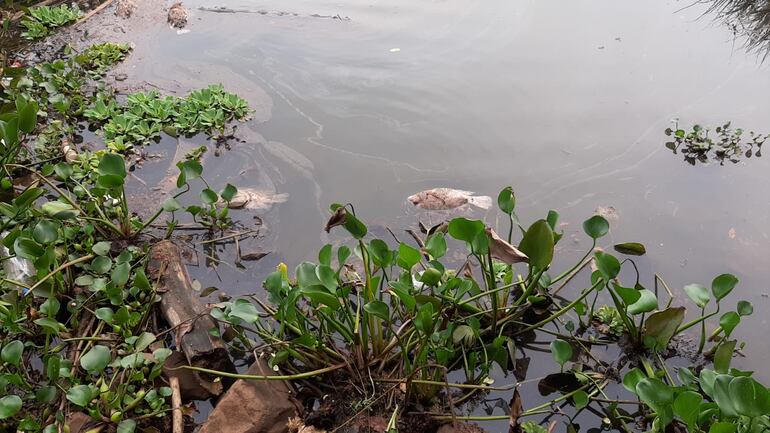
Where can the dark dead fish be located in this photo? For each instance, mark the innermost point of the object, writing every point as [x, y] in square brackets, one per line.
[177, 15]
[448, 198]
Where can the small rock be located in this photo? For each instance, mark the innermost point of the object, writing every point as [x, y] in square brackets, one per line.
[177, 15]
[125, 8]
[121, 77]
[252, 406]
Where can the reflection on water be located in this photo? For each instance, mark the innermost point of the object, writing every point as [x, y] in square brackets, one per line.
[748, 19]
[727, 144]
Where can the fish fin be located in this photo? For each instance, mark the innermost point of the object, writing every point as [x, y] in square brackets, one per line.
[481, 201]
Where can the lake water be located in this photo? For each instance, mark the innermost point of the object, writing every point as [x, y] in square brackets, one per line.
[566, 101]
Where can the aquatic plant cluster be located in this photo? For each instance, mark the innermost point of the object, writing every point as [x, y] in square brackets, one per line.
[78, 313]
[41, 20]
[730, 144]
[407, 317]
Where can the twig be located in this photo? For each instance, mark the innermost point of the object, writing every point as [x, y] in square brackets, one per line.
[59, 269]
[176, 405]
[95, 11]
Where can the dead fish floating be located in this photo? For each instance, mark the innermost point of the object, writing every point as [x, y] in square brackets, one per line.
[448, 198]
[249, 198]
[177, 15]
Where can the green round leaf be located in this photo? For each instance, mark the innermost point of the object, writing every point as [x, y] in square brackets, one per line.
[112, 164]
[631, 249]
[464, 229]
[607, 264]
[632, 378]
[749, 397]
[723, 285]
[127, 426]
[647, 302]
[407, 256]
[423, 321]
[101, 264]
[208, 197]
[436, 245]
[729, 321]
[12, 352]
[80, 395]
[379, 309]
[228, 193]
[46, 231]
[506, 200]
[698, 293]
[745, 308]
[171, 204]
[687, 407]
[9, 406]
[27, 248]
[538, 244]
[561, 351]
[580, 399]
[109, 181]
[96, 359]
[596, 226]
[101, 248]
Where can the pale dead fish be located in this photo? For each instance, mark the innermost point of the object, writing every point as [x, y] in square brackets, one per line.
[249, 198]
[125, 8]
[177, 15]
[448, 198]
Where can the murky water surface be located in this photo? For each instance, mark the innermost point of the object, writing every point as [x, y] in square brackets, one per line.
[369, 102]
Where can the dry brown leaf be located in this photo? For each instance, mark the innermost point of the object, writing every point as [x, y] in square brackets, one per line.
[338, 218]
[253, 257]
[503, 251]
[516, 410]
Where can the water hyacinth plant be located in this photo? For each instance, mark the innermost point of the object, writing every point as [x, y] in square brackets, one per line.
[41, 20]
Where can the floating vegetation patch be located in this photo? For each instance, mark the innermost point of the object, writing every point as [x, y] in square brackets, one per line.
[748, 19]
[41, 20]
[98, 58]
[726, 144]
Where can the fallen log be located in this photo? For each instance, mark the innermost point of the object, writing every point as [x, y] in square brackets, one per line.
[185, 313]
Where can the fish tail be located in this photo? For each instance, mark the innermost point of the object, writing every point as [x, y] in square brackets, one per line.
[481, 201]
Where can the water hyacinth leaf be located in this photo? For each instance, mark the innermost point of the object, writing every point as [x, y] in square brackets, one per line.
[96, 359]
[596, 226]
[327, 276]
[244, 310]
[9, 406]
[120, 274]
[706, 380]
[506, 200]
[320, 295]
[431, 277]
[722, 395]
[380, 252]
[141, 281]
[698, 293]
[325, 255]
[723, 285]
[464, 229]
[27, 248]
[306, 275]
[729, 321]
[723, 356]
[46, 231]
[647, 302]
[607, 264]
[561, 351]
[407, 256]
[12, 352]
[402, 292]
[463, 334]
[378, 309]
[631, 248]
[723, 427]
[745, 308]
[629, 295]
[658, 396]
[112, 164]
[342, 255]
[46, 394]
[228, 192]
[171, 205]
[661, 326]
[105, 314]
[749, 397]
[127, 426]
[687, 407]
[101, 264]
[538, 244]
[109, 181]
[423, 321]
[580, 399]
[59, 210]
[686, 376]
[208, 196]
[144, 341]
[27, 115]
[101, 248]
[436, 245]
[80, 395]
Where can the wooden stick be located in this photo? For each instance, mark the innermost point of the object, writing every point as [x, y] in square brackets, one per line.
[95, 11]
[176, 405]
